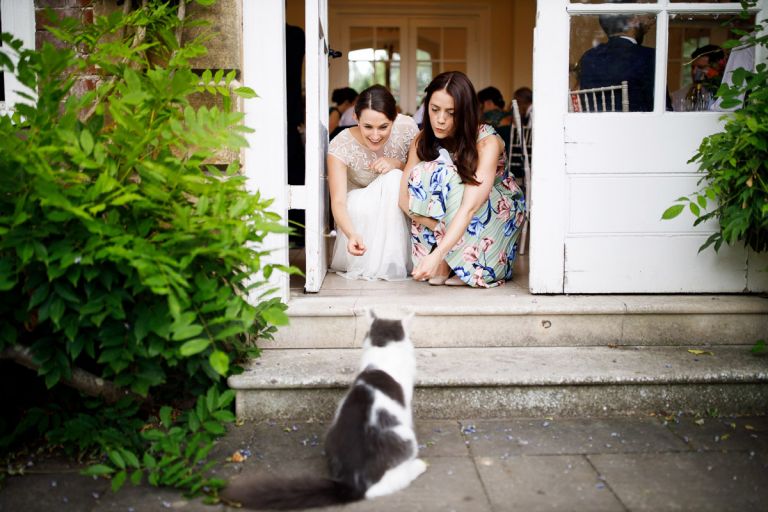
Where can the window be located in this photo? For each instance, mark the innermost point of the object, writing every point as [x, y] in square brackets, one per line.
[614, 49]
[406, 51]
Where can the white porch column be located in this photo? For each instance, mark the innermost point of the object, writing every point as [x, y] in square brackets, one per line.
[266, 158]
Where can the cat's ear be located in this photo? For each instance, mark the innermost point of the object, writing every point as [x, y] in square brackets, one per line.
[370, 315]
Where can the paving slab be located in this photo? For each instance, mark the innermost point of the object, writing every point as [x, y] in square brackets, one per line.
[562, 436]
[695, 481]
[722, 434]
[545, 483]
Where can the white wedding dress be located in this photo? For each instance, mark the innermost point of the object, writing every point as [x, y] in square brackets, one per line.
[373, 209]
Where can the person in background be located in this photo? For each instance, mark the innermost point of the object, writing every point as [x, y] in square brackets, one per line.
[622, 58]
[707, 65]
[344, 98]
[466, 210]
[364, 169]
[492, 107]
[524, 97]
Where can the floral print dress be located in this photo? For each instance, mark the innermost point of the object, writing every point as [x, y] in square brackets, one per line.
[484, 255]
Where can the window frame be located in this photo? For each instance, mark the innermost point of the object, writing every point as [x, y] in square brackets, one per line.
[662, 9]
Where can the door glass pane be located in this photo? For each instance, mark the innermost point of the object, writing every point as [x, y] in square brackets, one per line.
[360, 37]
[387, 43]
[424, 73]
[613, 73]
[455, 44]
[428, 43]
[696, 57]
[374, 58]
[360, 74]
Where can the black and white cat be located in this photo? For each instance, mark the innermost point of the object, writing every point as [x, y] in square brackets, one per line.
[371, 445]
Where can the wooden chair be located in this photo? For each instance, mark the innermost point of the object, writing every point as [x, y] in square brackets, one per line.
[526, 168]
[599, 99]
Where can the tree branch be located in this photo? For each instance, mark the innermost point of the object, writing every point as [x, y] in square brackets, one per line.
[81, 380]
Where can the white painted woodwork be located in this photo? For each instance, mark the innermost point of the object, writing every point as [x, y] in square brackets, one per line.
[602, 181]
[266, 158]
[19, 20]
[316, 61]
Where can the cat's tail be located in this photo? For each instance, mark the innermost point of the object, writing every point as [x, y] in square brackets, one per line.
[290, 493]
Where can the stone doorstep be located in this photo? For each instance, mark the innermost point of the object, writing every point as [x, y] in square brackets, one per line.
[507, 320]
[518, 381]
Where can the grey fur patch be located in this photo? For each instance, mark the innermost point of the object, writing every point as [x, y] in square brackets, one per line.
[384, 331]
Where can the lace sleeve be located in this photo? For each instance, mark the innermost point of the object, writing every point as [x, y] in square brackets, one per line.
[403, 132]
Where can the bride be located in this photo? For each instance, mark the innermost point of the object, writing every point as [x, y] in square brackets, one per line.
[364, 171]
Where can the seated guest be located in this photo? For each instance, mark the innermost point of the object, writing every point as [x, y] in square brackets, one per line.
[344, 98]
[492, 107]
[707, 64]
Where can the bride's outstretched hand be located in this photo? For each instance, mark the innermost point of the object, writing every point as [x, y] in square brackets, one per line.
[355, 245]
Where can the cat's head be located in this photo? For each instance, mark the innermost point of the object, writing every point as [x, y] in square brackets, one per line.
[383, 331]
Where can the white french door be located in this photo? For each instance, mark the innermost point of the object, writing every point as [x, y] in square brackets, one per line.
[316, 89]
[602, 180]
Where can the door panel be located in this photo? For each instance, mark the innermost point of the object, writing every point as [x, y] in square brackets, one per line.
[316, 87]
[602, 181]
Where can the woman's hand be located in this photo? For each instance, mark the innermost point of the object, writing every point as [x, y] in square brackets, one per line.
[355, 245]
[428, 267]
[383, 165]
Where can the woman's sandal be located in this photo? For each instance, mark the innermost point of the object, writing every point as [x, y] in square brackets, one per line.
[438, 280]
[454, 281]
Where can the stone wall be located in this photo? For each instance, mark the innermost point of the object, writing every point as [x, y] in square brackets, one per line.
[223, 34]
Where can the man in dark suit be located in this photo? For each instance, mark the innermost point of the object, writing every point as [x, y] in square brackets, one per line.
[622, 57]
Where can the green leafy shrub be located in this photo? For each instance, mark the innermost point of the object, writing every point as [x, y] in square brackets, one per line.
[735, 161]
[128, 264]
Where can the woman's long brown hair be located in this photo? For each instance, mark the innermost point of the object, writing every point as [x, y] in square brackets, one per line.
[463, 143]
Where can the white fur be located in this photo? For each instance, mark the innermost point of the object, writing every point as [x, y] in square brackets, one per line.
[397, 478]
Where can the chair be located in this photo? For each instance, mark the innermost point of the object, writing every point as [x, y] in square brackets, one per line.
[526, 169]
[599, 99]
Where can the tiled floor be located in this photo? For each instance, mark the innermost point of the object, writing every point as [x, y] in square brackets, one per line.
[334, 285]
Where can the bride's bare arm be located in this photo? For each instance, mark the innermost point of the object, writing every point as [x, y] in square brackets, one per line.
[337, 184]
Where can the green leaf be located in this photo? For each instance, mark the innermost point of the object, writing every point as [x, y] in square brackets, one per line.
[759, 347]
[116, 458]
[118, 480]
[149, 461]
[246, 92]
[193, 347]
[672, 211]
[86, 141]
[186, 331]
[130, 458]
[219, 361]
[214, 427]
[694, 209]
[136, 477]
[98, 470]
[165, 416]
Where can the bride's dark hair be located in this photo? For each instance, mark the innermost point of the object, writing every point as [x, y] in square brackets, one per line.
[463, 142]
[378, 98]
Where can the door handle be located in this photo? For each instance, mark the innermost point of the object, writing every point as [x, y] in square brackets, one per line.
[334, 54]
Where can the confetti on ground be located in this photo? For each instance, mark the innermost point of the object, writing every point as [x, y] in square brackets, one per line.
[240, 456]
[698, 352]
[469, 429]
[699, 421]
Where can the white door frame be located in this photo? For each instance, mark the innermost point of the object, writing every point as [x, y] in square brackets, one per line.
[265, 160]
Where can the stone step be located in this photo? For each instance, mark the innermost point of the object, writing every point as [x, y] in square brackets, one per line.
[519, 381]
[497, 318]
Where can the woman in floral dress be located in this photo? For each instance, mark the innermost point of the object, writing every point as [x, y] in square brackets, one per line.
[465, 210]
